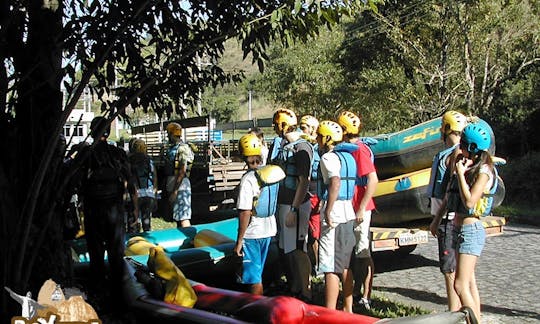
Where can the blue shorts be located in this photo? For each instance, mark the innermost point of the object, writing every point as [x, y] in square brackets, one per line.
[446, 236]
[255, 252]
[471, 239]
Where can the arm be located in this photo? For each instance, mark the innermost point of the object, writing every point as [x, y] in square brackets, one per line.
[333, 191]
[300, 194]
[15, 296]
[244, 216]
[372, 182]
[470, 196]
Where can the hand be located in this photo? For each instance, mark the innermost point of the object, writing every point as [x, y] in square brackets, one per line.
[172, 196]
[433, 227]
[462, 165]
[238, 249]
[360, 215]
[290, 219]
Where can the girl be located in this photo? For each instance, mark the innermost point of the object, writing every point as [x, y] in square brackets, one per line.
[467, 197]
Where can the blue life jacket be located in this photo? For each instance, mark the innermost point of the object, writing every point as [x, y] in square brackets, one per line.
[266, 203]
[353, 147]
[283, 154]
[439, 178]
[347, 176]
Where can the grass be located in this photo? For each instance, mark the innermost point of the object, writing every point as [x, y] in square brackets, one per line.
[527, 213]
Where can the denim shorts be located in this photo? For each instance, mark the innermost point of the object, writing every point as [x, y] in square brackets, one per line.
[471, 239]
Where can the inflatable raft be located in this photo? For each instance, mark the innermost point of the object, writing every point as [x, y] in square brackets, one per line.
[408, 150]
[215, 305]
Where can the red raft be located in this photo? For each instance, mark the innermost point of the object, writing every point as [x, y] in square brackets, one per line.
[215, 305]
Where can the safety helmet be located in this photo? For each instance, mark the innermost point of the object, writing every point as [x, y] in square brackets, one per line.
[249, 145]
[330, 131]
[310, 121]
[138, 146]
[476, 137]
[453, 121]
[98, 124]
[284, 118]
[350, 123]
[174, 129]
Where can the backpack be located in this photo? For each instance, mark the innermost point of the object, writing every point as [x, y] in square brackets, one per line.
[104, 180]
[268, 178]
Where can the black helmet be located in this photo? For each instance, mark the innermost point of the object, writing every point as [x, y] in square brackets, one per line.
[100, 124]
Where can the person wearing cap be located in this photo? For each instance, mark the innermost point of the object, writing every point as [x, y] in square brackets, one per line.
[178, 158]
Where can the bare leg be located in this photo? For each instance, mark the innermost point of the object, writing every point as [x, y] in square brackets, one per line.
[331, 288]
[454, 303]
[465, 280]
[256, 289]
[348, 290]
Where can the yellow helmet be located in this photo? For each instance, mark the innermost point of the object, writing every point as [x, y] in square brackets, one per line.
[330, 131]
[350, 123]
[453, 121]
[310, 121]
[249, 145]
[174, 129]
[138, 146]
[284, 118]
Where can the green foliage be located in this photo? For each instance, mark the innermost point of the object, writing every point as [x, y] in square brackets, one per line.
[522, 179]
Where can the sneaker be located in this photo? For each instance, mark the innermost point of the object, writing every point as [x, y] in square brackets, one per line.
[365, 303]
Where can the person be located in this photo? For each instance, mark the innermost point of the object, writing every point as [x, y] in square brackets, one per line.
[452, 124]
[294, 155]
[29, 307]
[178, 158]
[469, 192]
[145, 174]
[264, 148]
[309, 125]
[106, 174]
[366, 182]
[336, 189]
[256, 205]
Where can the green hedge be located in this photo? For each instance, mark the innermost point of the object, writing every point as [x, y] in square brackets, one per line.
[522, 179]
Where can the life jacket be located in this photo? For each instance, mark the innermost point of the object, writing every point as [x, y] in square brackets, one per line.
[268, 178]
[176, 155]
[353, 147]
[439, 177]
[315, 163]
[483, 206]
[104, 180]
[143, 168]
[283, 155]
[347, 176]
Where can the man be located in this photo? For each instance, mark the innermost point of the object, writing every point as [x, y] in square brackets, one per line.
[366, 175]
[336, 189]
[452, 126]
[308, 126]
[105, 176]
[178, 158]
[294, 155]
[256, 205]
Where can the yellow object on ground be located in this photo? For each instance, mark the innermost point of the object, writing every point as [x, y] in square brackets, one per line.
[178, 291]
[208, 237]
[138, 245]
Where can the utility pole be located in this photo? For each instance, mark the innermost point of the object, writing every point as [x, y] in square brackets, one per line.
[249, 104]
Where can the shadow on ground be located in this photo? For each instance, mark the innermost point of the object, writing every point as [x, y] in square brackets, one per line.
[392, 261]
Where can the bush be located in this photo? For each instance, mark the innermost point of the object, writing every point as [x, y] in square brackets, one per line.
[522, 179]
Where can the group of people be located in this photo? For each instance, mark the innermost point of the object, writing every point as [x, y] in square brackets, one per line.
[107, 174]
[463, 181]
[321, 210]
[323, 206]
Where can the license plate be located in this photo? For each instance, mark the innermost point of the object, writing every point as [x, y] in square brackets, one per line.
[410, 238]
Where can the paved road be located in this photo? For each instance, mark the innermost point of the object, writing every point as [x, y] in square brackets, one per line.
[508, 276]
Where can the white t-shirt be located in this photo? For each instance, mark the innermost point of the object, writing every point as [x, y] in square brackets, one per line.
[343, 210]
[259, 227]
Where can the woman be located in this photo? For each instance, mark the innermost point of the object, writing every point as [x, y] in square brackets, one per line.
[468, 197]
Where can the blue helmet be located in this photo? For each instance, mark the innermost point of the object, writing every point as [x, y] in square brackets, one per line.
[476, 137]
